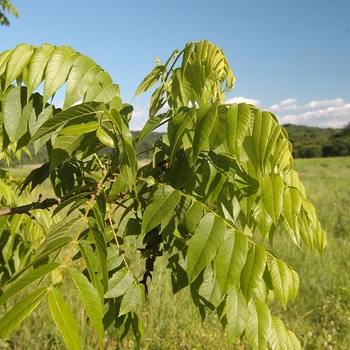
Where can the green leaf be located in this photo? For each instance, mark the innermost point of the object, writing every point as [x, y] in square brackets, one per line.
[101, 247]
[180, 90]
[238, 121]
[291, 209]
[162, 203]
[253, 270]
[35, 123]
[150, 80]
[230, 259]
[119, 283]
[57, 70]
[236, 314]
[258, 325]
[119, 185]
[131, 299]
[272, 189]
[29, 278]
[78, 129]
[104, 137]
[4, 57]
[278, 335]
[80, 77]
[190, 212]
[128, 143]
[102, 89]
[293, 341]
[281, 279]
[64, 146]
[91, 299]
[20, 311]
[137, 326]
[152, 123]
[294, 285]
[157, 102]
[18, 60]
[203, 129]
[49, 246]
[37, 66]
[180, 122]
[64, 319]
[14, 125]
[90, 259]
[59, 233]
[260, 134]
[204, 244]
[320, 240]
[87, 110]
[209, 292]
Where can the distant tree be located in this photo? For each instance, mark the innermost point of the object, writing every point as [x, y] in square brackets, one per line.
[339, 143]
[346, 130]
[310, 142]
[310, 151]
[6, 6]
[218, 184]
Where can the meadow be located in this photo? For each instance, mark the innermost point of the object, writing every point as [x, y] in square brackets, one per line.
[320, 316]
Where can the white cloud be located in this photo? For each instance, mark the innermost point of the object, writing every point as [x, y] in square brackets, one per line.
[334, 116]
[288, 101]
[291, 104]
[288, 104]
[244, 99]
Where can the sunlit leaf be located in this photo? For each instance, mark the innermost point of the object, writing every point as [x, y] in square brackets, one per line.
[238, 120]
[203, 129]
[253, 270]
[119, 283]
[15, 125]
[37, 66]
[272, 196]
[230, 259]
[17, 61]
[204, 244]
[131, 299]
[87, 110]
[29, 278]
[281, 279]
[57, 69]
[258, 325]
[82, 74]
[150, 80]
[90, 297]
[20, 311]
[278, 336]
[236, 314]
[64, 319]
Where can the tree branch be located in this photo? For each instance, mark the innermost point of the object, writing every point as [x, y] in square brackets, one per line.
[25, 209]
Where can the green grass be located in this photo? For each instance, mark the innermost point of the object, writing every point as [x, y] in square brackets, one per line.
[320, 316]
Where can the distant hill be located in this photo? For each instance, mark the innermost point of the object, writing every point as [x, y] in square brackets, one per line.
[311, 142]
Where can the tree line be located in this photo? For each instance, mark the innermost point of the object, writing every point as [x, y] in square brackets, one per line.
[314, 142]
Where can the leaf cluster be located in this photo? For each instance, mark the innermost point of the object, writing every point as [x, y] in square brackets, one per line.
[219, 183]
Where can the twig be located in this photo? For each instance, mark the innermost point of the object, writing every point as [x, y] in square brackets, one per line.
[25, 209]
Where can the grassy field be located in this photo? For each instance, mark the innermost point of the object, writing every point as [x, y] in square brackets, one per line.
[320, 316]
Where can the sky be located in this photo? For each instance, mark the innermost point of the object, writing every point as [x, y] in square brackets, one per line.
[288, 57]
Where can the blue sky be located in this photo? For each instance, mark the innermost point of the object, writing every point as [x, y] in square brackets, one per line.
[289, 57]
